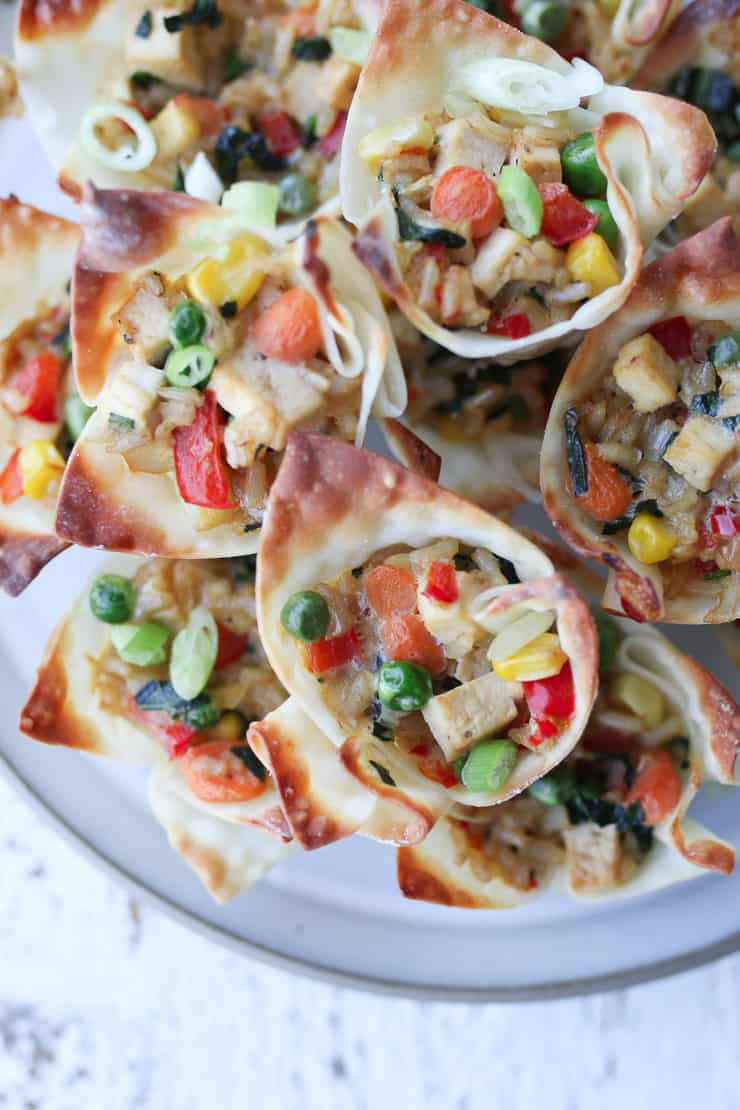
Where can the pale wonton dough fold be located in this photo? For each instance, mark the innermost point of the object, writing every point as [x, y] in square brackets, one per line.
[440, 870]
[331, 508]
[104, 501]
[699, 279]
[654, 152]
[37, 252]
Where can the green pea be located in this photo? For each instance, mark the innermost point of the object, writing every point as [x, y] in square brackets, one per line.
[608, 634]
[521, 201]
[489, 765]
[726, 351]
[581, 171]
[76, 415]
[112, 599]
[403, 686]
[187, 324]
[606, 227]
[305, 616]
[143, 645]
[189, 366]
[297, 194]
[544, 19]
[554, 789]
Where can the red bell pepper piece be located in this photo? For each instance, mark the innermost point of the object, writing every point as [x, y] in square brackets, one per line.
[332, 140]
[723, 522]
[541, 730]
[435, 769]
[281, 131]
[38, 382]
[231, 645]
[441, 584]
[174, 736]
[11, 480]
[656, 786]
[564, 218]
[552, 697]
[515, 326]
[334, 651]
[630, 610]
[674, 335]
[199, 468]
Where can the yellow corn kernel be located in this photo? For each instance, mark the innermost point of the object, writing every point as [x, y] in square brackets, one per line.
[231, 725]
[40, 464]
[590, 260]
[451, 429]
[636, 694]
[390, 140]
[650, 539]
[540, 658]
[205, 519]
[232, 278]
[609, 7]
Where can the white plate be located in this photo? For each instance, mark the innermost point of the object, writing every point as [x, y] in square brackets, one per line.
[337, 913]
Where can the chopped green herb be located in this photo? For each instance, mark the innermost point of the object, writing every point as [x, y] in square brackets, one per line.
[621, 522]
[228, 310]
[577, 467]
[141, 79]
[63, 342]
[250, 760]
[178, 185]
[731, 423]
[202, 13]
[144, 26]
[311, 48]
[411, 231]
[717, 573]
[234, 66]
[115, 420]
[508, 570]
[234, 143]
[243, 568]
[309, 131]
[706, 403]
[383, 774]
[463, 562]
[356, 572]
[200, 712]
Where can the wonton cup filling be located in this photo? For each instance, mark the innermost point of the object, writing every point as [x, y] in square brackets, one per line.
[646, 426]
[225, 94]
[610, 817]
[500, 214]
[395, 646]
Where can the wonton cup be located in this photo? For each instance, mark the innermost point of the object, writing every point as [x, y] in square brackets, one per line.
[617, 45]
[126, 235]
[192, 82]
[230, 845]
[654, 152]
[331, 509]
[38, 253]
[443, 868]
[699, 279]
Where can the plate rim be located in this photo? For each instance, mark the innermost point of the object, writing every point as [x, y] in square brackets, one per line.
[369, 984]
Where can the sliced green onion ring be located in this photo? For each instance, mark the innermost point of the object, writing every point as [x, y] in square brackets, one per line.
[525, 87]
[143, 645]
[190, 366]
[255, 202]
[126, 158]
[489, 765]
[194, 652]
[350, 45]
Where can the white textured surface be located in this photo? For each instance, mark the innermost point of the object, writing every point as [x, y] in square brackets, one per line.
[108, 1005]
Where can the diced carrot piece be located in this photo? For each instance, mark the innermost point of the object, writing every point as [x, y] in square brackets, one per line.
[608, 495]
[463, 193]
[11, 480]
[406, 637]
[290, 329]
[656, 786]
[390, 590]
[215, 773]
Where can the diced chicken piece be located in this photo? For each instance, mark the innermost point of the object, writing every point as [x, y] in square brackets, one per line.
[466, 714]
[646, 373]
[424, 280]
[699, 450]
[300, 90]
[144, 324]
[729, 392]
[489, 271]
[538, 158]
[175, 128]
[449, 623]
[593, 856]
[266, 398]
[172, 56]
[337, 81]
[459, 306]
[134, 392]
[476, 142]
[441, 551]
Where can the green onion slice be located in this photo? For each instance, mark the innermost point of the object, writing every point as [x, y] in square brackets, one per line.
[194, 652]
[127, 158]
[143, 645]
[190, 366]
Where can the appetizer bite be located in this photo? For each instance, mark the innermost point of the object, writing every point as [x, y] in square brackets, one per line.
[432, 644]
[611, 819]
[194, 96]
[503, 196]
[640, 463]
[159, 663]
[215, 341]
[41, 416]
[698, 61]
[484, 420]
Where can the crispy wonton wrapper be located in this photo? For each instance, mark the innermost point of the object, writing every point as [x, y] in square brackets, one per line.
[653, 150]
[331, 508]
[435, 871]
[229, 845]
[37, 252]
[700, 279]
[103, 502]
[617, 45]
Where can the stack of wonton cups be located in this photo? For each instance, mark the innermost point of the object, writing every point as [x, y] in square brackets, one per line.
[506, 231]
